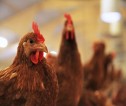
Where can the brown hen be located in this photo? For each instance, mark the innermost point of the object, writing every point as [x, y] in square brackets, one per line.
[94, 69]
[29, 80]
[68, 67]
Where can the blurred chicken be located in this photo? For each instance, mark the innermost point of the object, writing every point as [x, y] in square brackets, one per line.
[94, 69]
[100, 76]
[90, 98]
[111, 74]
[93, 78]
[68, 66]
[120, 97]
[29, 80]
[108, 66]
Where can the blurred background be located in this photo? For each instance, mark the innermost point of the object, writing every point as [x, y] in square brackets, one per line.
[93, 20]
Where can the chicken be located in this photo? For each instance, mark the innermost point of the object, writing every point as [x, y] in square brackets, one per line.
[120, 97]
[108, 65]
[68, 67]
[29, 80]
[111, 74]
[93, 78]
[94, 69]
[90, 98]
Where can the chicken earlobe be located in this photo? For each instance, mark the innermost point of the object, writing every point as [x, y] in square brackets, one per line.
[27, 52]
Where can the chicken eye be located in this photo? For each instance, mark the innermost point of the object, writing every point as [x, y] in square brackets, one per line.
[31, 41]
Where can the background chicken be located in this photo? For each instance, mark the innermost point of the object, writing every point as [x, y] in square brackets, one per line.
[93, 78]
[119, 99]
[100, 78]
[108, 64]
[94, 69]
[90, 98]
[68, 67]
[30, 80]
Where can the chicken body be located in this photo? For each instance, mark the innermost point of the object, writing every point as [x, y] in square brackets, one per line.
[68, 68]
[94, 69]
[69, 73]
[93, 78]
[25, 82]
[90, 98]
[119, 98]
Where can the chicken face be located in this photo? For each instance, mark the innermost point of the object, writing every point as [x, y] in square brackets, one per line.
[99, 47]
[34, 49]
[32, 45]
[69, 28]
[69, 32]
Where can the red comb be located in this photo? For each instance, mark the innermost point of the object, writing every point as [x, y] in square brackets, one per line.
[68, 17]
[40, 38]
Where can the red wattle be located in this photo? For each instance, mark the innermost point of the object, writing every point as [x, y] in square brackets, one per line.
[67, 36]
[72, 35]
[40, 56]
[35, 58]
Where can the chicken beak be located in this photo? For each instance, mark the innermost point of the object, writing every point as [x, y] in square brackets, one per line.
[43, 48]
[40, 47]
